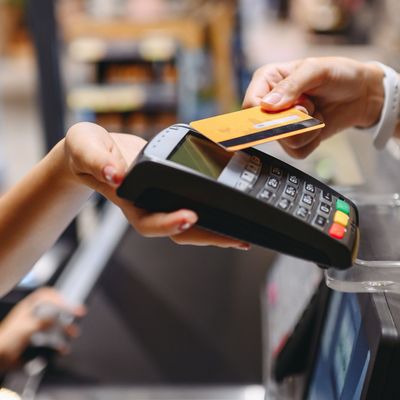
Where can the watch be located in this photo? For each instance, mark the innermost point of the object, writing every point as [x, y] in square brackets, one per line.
[384, 129]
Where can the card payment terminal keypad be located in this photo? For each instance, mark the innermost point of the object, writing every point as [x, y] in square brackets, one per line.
[288, 192]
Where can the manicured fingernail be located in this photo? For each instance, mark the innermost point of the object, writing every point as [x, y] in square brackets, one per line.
[243, 246]
[302, 109]
[109, 173]
[272, 98]
[184, 226]
[117, 179]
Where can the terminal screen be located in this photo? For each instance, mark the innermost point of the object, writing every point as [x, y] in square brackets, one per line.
[343, 354]
[201, 155]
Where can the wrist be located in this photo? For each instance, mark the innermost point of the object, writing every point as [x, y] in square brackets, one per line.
[64, 175]
[375, 95]
[385, 127]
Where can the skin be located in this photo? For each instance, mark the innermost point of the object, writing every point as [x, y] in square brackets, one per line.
[21, 323]
[36, 210]
[339, 91]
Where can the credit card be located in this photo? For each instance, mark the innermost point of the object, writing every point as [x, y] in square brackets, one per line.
[252, 126]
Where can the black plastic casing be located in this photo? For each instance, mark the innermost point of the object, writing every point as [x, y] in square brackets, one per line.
[161, 185]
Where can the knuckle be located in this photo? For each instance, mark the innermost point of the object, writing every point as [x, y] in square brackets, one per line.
[287, 86]
[75, 130]
[273, 75]
[259, 72]
[264, 71]
[311, 61]
[316, 65]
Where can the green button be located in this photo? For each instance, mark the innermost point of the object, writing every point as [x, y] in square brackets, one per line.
[343, 206]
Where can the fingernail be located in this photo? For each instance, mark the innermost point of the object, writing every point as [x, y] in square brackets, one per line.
[109, 173]
[272, 98]
[117, 179]
[302, 109]
[243, 246]
[184, 226]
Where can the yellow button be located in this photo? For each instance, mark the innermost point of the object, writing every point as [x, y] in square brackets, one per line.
[341, 218]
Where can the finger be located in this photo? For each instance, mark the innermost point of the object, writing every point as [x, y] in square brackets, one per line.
[47, 303]
[256, 90]
[264, 80]
[301, 140]
[201, 237]
[64, 350]
[305, 77]
[304, 151]
[79, 311]
[305, 104]
[73, 331]
[43, 324]
[160, 224]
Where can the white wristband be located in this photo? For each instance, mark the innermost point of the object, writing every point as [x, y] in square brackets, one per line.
[386, 125]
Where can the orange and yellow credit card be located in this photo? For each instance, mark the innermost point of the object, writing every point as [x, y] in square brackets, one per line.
[246, 128]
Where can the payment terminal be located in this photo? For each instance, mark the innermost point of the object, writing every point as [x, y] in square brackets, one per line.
[247, 195]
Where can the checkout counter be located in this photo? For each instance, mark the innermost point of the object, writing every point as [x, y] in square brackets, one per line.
[352, 349]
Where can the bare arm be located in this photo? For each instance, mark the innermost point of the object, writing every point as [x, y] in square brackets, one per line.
[34, 213]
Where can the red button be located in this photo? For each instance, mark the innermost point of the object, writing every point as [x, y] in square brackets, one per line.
[337, 231]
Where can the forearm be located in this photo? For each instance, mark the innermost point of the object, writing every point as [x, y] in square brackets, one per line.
[34, 213]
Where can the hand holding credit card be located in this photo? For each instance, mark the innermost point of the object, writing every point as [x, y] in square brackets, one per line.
[253, 126]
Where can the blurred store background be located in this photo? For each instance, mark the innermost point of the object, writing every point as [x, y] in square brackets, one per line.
[137, 66]
[162, 314]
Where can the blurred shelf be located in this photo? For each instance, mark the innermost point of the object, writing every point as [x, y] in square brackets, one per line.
[106, 98]
[188, 31]
[209, 28]
[155, 49]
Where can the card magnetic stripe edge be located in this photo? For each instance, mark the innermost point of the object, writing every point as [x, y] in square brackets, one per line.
[277, 133]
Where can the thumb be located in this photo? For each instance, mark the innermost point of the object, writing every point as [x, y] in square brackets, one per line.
[307, 76]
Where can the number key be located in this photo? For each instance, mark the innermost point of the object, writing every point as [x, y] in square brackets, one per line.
[253, 168]
[265, 194]
[294, 179]
[310, 187]
[276, 171]
[248, 176]
[273, 182]
[290, 191]
[307, 199]
[284, 204]
[302, 212]
[255, 160]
